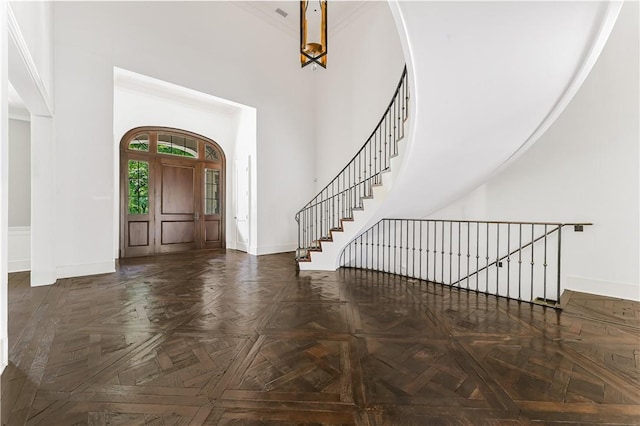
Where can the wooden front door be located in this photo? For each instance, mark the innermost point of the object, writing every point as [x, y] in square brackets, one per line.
[177, 206]
[172, 192]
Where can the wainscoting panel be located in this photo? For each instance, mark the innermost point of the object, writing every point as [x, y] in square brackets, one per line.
[19, 251]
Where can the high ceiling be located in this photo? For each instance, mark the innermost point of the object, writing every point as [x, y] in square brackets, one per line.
[340, 13]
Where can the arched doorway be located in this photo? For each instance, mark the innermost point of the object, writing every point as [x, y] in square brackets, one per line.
[171, 192]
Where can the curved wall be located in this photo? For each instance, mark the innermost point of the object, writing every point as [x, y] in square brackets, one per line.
[584, 168]
[488, 77]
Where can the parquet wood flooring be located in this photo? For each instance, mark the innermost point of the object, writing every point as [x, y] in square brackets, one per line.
[223, 338]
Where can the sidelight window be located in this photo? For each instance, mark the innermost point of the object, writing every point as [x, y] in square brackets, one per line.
[211, 191]
[138, 187]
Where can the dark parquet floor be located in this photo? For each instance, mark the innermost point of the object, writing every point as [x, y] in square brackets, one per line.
[223, 338]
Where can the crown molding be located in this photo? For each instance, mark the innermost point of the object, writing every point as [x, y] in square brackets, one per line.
[42, 105]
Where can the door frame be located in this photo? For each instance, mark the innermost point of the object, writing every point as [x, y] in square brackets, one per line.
[154, 159]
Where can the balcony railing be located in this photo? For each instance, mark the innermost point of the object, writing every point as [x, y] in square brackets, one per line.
[518, 260]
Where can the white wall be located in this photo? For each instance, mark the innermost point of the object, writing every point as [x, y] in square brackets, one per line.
[364, 65]
[213, 47]
[485, 78]
[584, 168]
[19, 173]
[4, 184]
[19, 236]
[244, 195]
[31, 73]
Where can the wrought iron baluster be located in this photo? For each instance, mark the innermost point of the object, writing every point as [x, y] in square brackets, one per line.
[398, 113]
[400, 247]
[520, 262]
[545, 264]
[442, 256]
[319, 206]
[393, 116]
[386, 152]
[413, 248]
[395, 246]
[427, 253]
[532, 262]
[487, 265]
[391, 141]
[477, 254]
[435, 250]
[468, 252]
[388, 246]
[361, 247]
[508, 259]
[497, 258]
[371, 171]
[559, 263]
[459, 233]
[420, 253]
[450, 252]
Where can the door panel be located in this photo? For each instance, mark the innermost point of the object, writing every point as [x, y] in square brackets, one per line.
[178, 232]
[177, 189]
[177, 218]
[138, 234]
[212, 231]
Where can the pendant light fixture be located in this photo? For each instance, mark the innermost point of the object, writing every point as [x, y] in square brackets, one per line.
[313, 33]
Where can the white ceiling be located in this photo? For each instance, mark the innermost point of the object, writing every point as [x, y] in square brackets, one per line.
[339, 13]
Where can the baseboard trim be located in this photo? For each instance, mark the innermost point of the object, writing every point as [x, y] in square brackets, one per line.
[276, 249]
[70, 271]
[242, 247]
[3, 360]
[19, 265]
[20, 231]
[617, 289]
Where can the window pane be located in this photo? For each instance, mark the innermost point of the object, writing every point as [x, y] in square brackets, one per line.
[211, 191]
[138, 187]
[177, 145]
[210, 153]
[140, 143]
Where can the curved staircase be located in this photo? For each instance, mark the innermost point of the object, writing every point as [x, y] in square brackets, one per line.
[487, 80]
[342, 208]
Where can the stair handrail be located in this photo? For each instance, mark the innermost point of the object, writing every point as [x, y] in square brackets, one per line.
[395, 94]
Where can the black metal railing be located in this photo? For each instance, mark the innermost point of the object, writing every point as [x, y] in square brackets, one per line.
[335, 203]
[518, 260]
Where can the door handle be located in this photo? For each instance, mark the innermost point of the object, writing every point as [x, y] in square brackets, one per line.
[196, 216]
